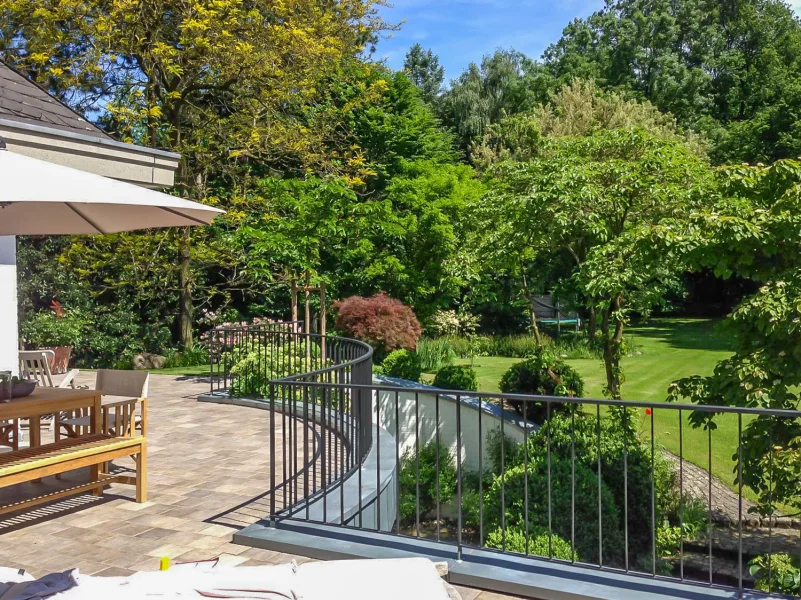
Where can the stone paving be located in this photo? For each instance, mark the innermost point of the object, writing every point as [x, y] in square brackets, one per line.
[208, 476]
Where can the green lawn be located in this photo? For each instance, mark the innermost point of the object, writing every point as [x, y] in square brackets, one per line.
[188, 371]
[668, 350]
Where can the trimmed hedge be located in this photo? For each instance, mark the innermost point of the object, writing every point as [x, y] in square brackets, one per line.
[456, 378]
[403, 364]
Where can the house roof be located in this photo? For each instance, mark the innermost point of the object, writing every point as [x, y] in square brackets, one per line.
[23, 101]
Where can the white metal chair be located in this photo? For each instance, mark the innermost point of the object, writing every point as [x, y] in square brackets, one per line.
[123, 391]
[35, 365]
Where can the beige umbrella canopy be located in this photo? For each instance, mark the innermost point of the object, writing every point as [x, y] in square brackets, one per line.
[42, 198]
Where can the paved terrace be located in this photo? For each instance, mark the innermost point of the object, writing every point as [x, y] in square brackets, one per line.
[208, 475]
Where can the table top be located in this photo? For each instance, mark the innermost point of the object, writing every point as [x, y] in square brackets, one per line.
[46, 400]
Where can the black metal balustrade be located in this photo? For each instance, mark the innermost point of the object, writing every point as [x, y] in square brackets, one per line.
[328, 413]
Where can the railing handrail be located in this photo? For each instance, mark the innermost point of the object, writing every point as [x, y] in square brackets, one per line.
[326, 338]
[748, 410]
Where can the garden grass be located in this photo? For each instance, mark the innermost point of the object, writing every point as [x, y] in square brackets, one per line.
[666, 349]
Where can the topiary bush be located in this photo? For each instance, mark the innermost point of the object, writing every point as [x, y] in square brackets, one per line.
[403, 364]
[509, 491]
[539, 542]
[456, 377]
[383, 322]
[542, 375]
[618, 438]
[427, 480]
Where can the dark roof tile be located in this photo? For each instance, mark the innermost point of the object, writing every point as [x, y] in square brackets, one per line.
[24, 101]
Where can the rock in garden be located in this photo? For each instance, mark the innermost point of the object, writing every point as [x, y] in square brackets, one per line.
[147, 361]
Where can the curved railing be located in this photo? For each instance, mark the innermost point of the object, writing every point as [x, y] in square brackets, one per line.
[324, 430]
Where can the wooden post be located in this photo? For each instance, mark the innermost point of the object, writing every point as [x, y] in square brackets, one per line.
[307, 316]
[294, 302]
[322, 320]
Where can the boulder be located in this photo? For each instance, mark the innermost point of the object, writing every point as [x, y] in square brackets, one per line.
[147, 361]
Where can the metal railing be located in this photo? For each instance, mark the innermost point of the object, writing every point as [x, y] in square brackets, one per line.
[587, 482]
[321, 440]
[622, 486]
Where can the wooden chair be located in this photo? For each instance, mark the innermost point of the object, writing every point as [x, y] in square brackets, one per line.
[35, 365]
[126, 390]
[10, 434]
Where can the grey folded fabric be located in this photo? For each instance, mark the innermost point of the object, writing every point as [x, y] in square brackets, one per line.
[44, 587]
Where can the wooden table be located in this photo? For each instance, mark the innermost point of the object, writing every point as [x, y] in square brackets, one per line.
[51, 401]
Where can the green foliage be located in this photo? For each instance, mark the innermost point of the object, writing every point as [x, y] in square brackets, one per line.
[253, 365]
[456, 377]
[423, 68]
[513, 539]
[423, 469]
[754, 232]
[603, 200]
[46, 328]
[512, 346]
[619, 444]
[586, 515]
[542, 375]
[776, 573]
[404, 364]
[196, 356]
[434, 354]
[729, 70]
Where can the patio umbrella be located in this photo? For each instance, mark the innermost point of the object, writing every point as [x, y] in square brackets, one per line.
[42, 198]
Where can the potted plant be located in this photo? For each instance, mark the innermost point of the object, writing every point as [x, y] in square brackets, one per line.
[55, 330]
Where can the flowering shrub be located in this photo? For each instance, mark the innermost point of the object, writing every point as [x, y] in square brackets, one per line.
[383, 322]
[451, 322]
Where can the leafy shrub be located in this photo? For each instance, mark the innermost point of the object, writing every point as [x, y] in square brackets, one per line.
[456, 378]
[539, 542]
[383, 322]
[48, 328]
[254, 365]
[402, 364]
[428, 480]
[618, 439]
[586, 505]
[514, 346]
[197, 355]
[434, 354]
[542, 375]
[451, 322]
[777, 573]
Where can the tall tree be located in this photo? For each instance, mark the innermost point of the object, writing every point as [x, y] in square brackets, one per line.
[599, 200]
[727, 69]
[753, 232]
[506, 83]
[423, 68]
[220, 82]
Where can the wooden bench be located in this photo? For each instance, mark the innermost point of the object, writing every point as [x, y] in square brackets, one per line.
[92, 451]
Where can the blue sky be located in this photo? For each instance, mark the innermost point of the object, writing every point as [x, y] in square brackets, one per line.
[462, 31]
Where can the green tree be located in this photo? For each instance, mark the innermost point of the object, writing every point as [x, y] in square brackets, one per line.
[222, 83]
[597, 201]
[505, 83]
[727, 69]
[753, 232]
[423, 68]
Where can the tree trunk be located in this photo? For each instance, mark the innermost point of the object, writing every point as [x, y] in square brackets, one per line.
[612, 343]
[592, 323]
[186, 308]
[535, 330]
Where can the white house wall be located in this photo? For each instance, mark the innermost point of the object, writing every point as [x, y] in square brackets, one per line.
[8, 303]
